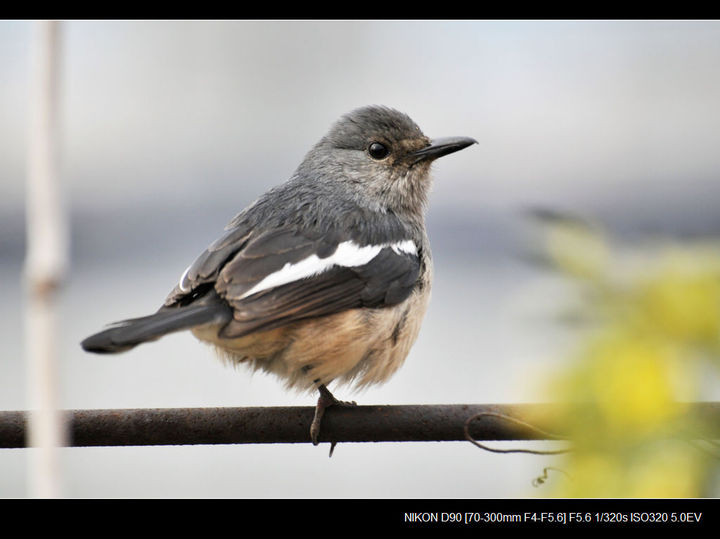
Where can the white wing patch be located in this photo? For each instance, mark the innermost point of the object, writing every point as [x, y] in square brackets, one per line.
[182, 280]
[407, 247]
[347, 254]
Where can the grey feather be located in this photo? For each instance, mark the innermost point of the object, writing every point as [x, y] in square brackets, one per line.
[127, 334]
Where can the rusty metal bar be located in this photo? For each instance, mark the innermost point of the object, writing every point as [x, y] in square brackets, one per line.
[404, 423]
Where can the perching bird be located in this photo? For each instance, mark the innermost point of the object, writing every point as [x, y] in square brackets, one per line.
[324, 278]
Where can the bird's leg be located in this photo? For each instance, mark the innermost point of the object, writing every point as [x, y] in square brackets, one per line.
[325, 400]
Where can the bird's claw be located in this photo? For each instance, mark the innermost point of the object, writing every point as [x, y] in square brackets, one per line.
[326, 400]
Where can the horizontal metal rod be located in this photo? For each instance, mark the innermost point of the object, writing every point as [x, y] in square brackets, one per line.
[403, 423]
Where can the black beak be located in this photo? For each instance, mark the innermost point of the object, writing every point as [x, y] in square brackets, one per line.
[442, 146]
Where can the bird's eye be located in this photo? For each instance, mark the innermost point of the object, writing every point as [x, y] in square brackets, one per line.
[378, 150]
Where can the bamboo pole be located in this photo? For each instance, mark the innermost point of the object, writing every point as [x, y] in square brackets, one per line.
[45, 264]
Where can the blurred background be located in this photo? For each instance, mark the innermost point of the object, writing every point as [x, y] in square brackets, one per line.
[169, 128]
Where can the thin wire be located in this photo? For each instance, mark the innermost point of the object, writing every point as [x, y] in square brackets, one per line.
[515, 420]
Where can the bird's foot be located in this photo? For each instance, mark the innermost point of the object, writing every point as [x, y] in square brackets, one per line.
[325, 400]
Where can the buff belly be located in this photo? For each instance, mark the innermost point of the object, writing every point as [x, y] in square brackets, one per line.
[358, 347]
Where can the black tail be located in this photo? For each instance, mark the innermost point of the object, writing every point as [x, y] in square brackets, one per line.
[129, 333]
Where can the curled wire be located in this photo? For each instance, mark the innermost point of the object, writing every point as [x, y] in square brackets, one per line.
[539, 481]
[519, 422]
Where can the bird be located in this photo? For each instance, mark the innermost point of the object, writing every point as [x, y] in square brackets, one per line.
[325, 277]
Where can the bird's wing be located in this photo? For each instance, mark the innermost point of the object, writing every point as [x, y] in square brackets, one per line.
[281, 276]
[206, 268]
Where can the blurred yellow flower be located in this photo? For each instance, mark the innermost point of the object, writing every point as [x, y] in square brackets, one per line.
[624, 398]
[577, 249]
[670, 469]
[684, 302]
[633, 382]
[623, 387]
[667, 469]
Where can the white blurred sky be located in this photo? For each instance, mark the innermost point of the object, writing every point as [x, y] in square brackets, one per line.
[563, 110]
